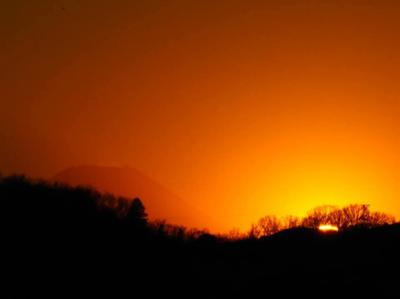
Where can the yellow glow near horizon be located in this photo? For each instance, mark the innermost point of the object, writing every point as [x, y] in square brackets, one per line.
[328, 228]
[240, 108]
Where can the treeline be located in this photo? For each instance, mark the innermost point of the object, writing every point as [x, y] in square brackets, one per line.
[39, 206]
[351, 216]
[36, 207]
[60, 241]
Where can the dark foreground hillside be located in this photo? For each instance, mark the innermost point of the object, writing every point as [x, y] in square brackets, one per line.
[59, 241]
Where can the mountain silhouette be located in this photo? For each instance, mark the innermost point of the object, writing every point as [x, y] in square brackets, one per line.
[160, 202]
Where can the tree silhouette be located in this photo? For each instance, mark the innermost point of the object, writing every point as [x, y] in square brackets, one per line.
[254, 232]
[136, 216]
[349, 216]
[290, 222]
[269, 225]
[319, 215]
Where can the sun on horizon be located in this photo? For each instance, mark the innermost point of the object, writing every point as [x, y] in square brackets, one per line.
[328, 228]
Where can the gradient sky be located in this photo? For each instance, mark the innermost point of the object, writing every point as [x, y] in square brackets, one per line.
[243, 108]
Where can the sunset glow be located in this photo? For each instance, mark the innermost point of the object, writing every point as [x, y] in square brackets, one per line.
[238, 108]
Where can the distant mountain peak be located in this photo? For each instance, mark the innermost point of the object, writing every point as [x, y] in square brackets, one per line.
[160, 202]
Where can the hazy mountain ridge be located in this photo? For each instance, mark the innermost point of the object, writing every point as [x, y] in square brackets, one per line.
[160, 202]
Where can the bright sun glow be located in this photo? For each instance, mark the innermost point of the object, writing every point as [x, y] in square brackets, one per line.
[328, 228]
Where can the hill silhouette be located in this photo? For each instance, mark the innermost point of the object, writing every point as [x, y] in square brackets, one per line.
[62, 241]
[161, 203]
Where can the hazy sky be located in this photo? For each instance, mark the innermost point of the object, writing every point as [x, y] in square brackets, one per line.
[243, 108]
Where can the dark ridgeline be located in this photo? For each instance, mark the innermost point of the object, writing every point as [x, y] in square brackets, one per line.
[59, 241]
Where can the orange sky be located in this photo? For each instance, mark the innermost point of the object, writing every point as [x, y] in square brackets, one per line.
[243, 108]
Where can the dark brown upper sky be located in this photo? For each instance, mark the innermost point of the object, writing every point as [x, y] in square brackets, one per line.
[244, 108]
